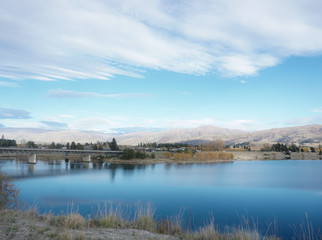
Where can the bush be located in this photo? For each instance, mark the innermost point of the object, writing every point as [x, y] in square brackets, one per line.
[8, 192]
[214, 156]
[183, 156]
[140, 155]
[128, 153]
[167, 155]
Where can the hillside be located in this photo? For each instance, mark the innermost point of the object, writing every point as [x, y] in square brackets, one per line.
[299, 135]
[48, 136]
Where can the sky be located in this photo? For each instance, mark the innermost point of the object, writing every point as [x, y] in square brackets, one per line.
[105, 65]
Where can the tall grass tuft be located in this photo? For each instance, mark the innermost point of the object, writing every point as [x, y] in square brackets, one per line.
[144, 218]
[108, 217]
[306, 231]
[206, 233]
[71, 220]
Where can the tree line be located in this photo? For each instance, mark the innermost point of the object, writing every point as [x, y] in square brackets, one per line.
[216, 145]
[113, 146]
[8, 143]
[280, 147]
[95, 146]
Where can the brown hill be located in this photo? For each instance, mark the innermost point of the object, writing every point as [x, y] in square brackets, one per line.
[311, 134]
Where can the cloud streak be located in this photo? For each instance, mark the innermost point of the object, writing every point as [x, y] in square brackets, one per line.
[95, 39]
[55, 125]
[317, 110]
[60, 93]
[9, 113]
[8, 84]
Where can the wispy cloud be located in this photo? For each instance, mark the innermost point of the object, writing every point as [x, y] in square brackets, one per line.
[9, 113]
[94, 39]
[94, 123]
[24, 124]
[317, 110]
[187, 123]
[55, 125]
[66, 116]
[8, 84]
[243, 124]
[304, 121]
[185, 93]
[242, 81]
[60, 93]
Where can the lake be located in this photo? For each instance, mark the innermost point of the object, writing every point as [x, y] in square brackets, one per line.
[261, 191]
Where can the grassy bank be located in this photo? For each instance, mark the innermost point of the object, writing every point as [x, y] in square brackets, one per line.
[111, 224]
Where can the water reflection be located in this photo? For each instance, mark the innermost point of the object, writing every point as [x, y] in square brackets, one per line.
[23, 169]
[31, 169]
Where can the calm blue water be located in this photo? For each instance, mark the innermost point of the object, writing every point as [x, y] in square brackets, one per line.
[259, 190]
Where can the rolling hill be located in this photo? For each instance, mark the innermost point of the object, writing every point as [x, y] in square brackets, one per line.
[300, 135]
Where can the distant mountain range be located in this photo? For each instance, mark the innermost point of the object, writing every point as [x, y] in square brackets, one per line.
[300, 135]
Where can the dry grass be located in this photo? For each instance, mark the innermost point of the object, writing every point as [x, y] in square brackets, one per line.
[199, 156]
[72, 220]
[204, 156]
[306, 231]
[142, 217]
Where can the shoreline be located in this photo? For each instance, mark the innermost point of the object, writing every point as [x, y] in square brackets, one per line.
[160, 159]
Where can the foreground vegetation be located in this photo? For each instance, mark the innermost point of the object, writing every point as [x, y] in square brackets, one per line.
[113, 223]
[30, 225]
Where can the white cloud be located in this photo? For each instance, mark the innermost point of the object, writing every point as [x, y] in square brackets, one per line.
[187, 123]
[55, 125]
[60, 93]
[317, 110]
[66, 116]
[8, 84]
[10, 113]
[24, 124]
[243, 124]
[95, 39]
[242, 81]
[303, 121]
[94, 123]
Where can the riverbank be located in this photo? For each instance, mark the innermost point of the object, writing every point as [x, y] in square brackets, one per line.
[17, 225]
[160, 158]
[238, 156]
[259, 155]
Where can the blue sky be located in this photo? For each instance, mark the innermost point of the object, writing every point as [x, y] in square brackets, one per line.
[100, 65]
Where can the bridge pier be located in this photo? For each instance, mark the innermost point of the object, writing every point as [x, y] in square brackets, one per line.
[87, 158]
[32, 158]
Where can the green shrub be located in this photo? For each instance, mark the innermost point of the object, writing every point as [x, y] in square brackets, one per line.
[128, 153]
[140, 155]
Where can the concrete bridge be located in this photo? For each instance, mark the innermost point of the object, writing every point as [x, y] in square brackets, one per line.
[32, 152]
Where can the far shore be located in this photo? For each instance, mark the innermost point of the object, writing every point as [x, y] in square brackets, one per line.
[238, 156]
[160, 159]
